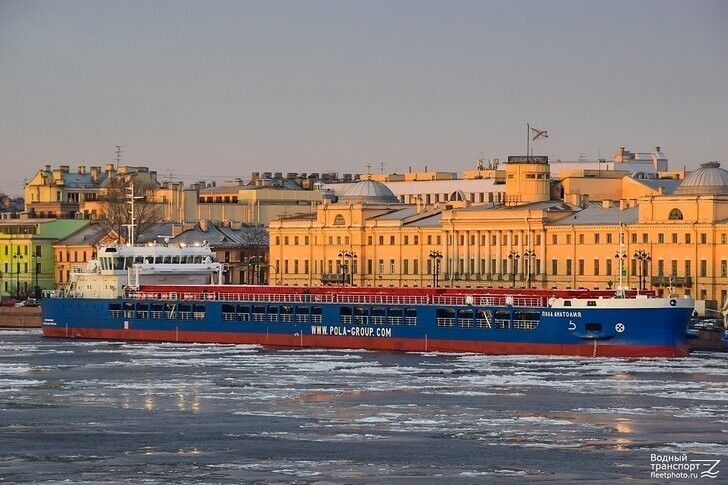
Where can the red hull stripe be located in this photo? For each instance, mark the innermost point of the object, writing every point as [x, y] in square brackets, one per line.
[372, 343]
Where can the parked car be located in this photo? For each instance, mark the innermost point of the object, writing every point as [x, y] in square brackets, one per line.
[32, 302]
[9, 302]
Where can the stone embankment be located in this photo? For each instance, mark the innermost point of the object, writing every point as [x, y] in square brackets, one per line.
[19, 317]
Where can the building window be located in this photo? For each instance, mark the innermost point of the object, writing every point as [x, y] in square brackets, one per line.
[673, 267]
[415, 266]
[674, 238]
[381, 266]
[660, 267]
[295, 266]
[581, 239]
[554, 267]
[675, 215]
[703, 268]
[381, 240]
[405, 266]
[554, 239]
[286, 241]
[609, 239]
[634, 238]
[688, 269]
[406, 240]
[417, 240]
[369, 266]
[661, 238]
[596, 238]
[295, 240]
[391, 266]
[391, 240]
[687, 238]
[429, 239]
[339, 220]
[609, 267]
[568, 267]
[723, 268]
[568, 239]
[581, 267]
[703, 238]
[596, 267]
[645, 237]
[305, 266]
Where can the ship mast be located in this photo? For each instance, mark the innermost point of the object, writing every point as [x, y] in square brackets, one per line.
[132, 220]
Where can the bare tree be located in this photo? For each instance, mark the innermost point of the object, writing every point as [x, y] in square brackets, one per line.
[116, 208]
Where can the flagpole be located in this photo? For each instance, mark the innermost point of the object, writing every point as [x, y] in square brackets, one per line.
[528, 141]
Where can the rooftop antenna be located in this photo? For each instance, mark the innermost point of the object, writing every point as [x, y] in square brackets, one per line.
[381, 166]
[118, 157]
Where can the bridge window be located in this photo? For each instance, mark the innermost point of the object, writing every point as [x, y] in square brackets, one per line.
[378, 315]
[228, 312]
[157, 311]
[361, 316]
[198, 312]
[115, 310]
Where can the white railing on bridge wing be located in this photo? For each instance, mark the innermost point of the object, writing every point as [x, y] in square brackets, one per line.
[496, 300]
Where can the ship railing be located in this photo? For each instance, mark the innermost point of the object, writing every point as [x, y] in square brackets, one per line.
[378, 320]
[272, 317]
[185, 315]
[301, 318]
[115, 313]
[410, 321]
[445, 322]
[228, 316]
[258, 317]
[394, 320]
[198, 315]
[525, 324]
[495, 300]
[501, 323]
[346, 319]
[482, 322]
[316, 318]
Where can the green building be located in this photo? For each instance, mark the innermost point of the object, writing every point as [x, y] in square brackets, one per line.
[27, 263]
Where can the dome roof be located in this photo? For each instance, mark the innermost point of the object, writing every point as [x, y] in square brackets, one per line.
[709, 179]
[369, 191]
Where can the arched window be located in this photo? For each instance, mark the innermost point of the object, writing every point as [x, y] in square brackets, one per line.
[675, 215]
[339, 220]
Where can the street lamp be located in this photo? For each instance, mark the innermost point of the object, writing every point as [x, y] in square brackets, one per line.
[642, 257]
[529, 255]
[514, 256]
[347, 269]
[17, 258]
[436, 257]
[621, 256]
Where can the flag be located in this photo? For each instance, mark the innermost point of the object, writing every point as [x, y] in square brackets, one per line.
[539, 134]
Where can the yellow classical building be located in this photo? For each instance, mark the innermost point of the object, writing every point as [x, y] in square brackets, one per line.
[666, 235]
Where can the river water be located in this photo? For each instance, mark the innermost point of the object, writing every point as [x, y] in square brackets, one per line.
[110, 412]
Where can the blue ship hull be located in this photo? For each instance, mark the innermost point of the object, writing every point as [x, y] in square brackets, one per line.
[623, 332]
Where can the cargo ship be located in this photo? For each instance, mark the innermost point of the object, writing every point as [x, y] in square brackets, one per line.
[170, 293]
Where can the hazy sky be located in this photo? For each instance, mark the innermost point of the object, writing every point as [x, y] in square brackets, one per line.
[217, 89]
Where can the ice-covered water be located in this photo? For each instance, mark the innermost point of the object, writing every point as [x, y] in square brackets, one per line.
[109, 412]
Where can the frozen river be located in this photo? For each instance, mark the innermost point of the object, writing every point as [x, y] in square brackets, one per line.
[105, 412]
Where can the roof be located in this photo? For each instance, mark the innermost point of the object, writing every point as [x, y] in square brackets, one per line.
[596, 214]
[709, 179]
[668, 186]
[91, 235]
[368, 191]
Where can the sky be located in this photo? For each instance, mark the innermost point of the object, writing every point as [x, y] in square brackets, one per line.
[212, 90]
